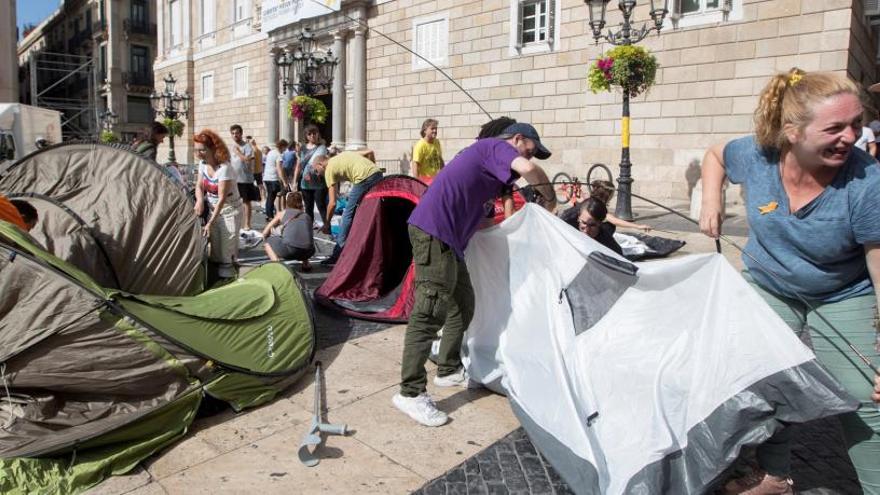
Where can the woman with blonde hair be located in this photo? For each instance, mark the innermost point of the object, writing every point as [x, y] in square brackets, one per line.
[813, 208]
[295, 240]
[217, 200]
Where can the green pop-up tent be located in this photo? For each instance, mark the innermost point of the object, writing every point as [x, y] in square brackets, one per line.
[107, 344]
[94, 379]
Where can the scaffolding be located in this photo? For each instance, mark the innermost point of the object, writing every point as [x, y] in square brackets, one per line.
[69, 84]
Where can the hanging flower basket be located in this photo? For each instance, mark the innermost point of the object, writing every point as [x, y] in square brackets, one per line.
[307, 109]
[108, 137]
[628, 67]
[175, 127]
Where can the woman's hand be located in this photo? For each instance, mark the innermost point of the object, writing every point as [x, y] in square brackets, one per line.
[643, 227]
[199, 208]
[206, 230]
[710, 221]
[712, 174]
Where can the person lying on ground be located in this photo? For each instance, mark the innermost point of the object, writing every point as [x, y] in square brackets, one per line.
[592, 215]
[295, 240]
[603, 190]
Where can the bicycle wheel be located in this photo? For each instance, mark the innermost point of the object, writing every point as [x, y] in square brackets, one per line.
[599, 166]
[562, 185]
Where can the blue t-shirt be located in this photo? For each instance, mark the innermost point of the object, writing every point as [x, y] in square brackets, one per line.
[452, 208]
[288, 161]
[818, 250]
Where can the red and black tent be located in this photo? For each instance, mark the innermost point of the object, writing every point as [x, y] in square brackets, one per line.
[373, 278]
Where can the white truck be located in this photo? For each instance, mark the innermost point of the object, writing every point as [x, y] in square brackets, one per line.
[24, 129]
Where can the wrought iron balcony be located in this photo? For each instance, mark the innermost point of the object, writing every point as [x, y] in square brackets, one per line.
[138, 27]
[138, 81]
[81, 37]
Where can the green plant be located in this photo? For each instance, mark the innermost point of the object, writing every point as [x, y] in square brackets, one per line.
[308, 109]
[109, 137]
[175, 127]
[629, 67]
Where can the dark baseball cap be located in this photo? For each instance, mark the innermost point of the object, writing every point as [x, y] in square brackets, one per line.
[541, 152]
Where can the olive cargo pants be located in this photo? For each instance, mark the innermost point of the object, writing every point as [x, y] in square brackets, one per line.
[444, 299]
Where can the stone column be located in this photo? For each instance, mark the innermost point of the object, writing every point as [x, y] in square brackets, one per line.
[285, 126]
[359, 78]
[160, 31]
[272, 102]
[339, 99]
[8, 54]
[116, 54]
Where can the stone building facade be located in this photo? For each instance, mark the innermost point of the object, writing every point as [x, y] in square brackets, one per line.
[218, 55]
[714, 56]
[527, 59]
[117, 39]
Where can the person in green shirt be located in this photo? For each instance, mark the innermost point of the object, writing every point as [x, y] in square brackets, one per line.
[356, 167]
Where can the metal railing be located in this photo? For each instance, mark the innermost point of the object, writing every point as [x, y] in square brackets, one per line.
[81, 37]
[138, 27]
[144, 79]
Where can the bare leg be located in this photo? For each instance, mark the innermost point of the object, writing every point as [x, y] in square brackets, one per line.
[270, 253]
[247, 215]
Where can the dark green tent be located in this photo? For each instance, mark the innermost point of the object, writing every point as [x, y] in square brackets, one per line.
[95, 379]
[107, 348]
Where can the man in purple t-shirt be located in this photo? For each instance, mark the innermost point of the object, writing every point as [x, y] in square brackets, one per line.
[439, 229]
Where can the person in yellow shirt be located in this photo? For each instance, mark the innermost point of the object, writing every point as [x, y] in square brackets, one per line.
[427, 157]
[356, 167]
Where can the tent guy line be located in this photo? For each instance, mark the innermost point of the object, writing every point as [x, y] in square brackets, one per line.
[438, 69]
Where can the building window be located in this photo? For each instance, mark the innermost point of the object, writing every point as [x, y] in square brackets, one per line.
[534, 27]
[208, 16]
[534, 21]
[687, 13]
[431, 40]
[208, 87]
[240, 81]
[140, 65]
[176, 23]
[103, 61]
[139, 110]
[139, 12]
[241, 12]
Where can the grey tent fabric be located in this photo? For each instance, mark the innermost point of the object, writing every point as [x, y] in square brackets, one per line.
[113, 214]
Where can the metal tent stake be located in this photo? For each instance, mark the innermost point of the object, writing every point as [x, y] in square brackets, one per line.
[313, 436]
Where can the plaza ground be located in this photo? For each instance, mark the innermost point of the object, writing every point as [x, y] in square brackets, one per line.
[481, 450]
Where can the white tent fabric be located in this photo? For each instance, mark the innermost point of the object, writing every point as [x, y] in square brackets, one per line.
[630, 381]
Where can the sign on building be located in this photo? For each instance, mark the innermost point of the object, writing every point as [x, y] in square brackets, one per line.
[278, 13]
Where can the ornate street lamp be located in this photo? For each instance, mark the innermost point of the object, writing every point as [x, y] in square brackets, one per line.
[109, 119]
[171, 105]
[626, 35]
[306, 71]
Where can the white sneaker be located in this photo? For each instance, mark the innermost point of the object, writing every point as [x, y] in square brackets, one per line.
[458, 379]
[420, 408]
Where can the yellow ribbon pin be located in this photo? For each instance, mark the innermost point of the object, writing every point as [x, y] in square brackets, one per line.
[771, 206]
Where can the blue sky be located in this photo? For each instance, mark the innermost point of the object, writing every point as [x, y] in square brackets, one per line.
[33, 11]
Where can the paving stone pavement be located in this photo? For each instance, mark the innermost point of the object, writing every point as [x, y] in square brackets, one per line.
[512, 466]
